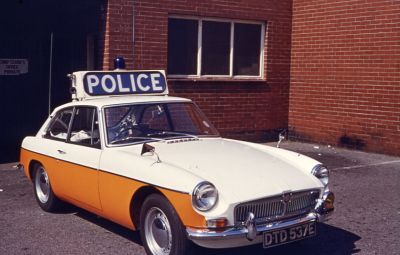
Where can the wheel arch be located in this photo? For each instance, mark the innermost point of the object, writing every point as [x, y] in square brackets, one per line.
[31, 167]
[181, 202]
[137, 200]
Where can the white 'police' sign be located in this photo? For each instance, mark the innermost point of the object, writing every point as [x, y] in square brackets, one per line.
[120, 83]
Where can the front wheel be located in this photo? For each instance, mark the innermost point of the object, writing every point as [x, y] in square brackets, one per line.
[161, 230]
[42, 189]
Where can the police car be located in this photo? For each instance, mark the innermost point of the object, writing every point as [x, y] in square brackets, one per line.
[125, 150]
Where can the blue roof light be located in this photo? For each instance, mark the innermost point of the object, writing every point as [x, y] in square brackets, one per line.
[119, 63]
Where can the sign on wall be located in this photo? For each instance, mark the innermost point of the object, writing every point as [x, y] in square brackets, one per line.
[13, 66]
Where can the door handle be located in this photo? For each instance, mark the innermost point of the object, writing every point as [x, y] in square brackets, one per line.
[61, 152]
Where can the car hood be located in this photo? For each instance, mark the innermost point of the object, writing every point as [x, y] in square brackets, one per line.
[239, 171]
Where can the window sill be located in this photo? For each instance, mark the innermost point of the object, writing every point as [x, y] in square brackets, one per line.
[217, 79]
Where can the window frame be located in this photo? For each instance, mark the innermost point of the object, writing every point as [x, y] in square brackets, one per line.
[104, 119]
[67, 139]
[231, 76]
[53, 119]
[96, 113]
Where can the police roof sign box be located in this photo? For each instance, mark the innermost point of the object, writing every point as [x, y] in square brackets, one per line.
[98, 84]
[89, 84]
[13, 66]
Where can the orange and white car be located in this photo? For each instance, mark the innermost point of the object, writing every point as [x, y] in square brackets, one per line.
[125, 150]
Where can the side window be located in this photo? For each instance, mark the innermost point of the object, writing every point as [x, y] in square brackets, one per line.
[85, 127]
[58, 128]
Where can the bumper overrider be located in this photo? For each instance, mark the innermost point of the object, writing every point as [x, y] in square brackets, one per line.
[249, 233]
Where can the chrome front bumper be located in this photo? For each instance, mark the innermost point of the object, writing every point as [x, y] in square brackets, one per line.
[250, 234]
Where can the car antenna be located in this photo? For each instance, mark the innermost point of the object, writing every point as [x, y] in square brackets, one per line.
[148, 148]
[50, 69]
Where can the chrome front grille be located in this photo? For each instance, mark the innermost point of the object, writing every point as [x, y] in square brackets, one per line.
[287, 205]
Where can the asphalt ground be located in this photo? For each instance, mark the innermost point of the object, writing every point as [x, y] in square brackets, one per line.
[366, 220]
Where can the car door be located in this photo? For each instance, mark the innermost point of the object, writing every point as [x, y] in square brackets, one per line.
[73, 149]
[79, 158]
[52, 145]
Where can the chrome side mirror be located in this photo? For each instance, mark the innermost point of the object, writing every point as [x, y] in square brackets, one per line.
[281, 137]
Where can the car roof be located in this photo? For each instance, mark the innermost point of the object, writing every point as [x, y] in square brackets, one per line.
[119, 100]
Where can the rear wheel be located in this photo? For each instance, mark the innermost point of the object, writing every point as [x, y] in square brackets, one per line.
[161, 230]
[42, 189]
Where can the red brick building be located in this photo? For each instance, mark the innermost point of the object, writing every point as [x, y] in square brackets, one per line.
[327, 71]
[340, 60]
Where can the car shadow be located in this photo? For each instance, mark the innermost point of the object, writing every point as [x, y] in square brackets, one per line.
[329, 241]
[102, 222]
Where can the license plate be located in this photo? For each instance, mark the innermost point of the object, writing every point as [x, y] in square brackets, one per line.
[289, 234]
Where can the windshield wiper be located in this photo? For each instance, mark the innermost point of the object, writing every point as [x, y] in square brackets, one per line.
[137, 137]
[173, 133]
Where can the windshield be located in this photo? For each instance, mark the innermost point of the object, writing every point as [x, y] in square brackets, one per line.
[139, 123]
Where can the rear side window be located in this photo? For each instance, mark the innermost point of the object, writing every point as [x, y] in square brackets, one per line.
[85, 127]
[58, 128]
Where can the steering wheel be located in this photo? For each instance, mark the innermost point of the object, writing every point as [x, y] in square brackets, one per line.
[124, 131]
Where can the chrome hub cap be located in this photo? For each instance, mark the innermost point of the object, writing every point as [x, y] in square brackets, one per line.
[42, 185]
[158, 232]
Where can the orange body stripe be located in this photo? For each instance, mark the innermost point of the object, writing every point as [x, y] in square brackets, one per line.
[25, 159]
[183, 205]
[116, 195]
[114, 192]
[71, 182]
[79, 183]
[48, 163]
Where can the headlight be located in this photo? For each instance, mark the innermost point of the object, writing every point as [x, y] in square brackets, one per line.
[204, 196]
[322, 173]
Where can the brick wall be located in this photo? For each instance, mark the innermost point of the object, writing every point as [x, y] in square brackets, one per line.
[345, 73]
[245, 110]
[118, 34]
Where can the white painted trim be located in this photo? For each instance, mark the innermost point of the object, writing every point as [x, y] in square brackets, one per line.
[262, 52]
[183, 76]
[199, 46]
[232, 35]
[215, 76]
[231, 57]
[176, 16]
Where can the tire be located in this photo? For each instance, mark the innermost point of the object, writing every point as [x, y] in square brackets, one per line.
[42, 189]
[161, 230]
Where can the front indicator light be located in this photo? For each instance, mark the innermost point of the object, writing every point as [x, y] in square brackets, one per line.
[217, 223]
[328, 203]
